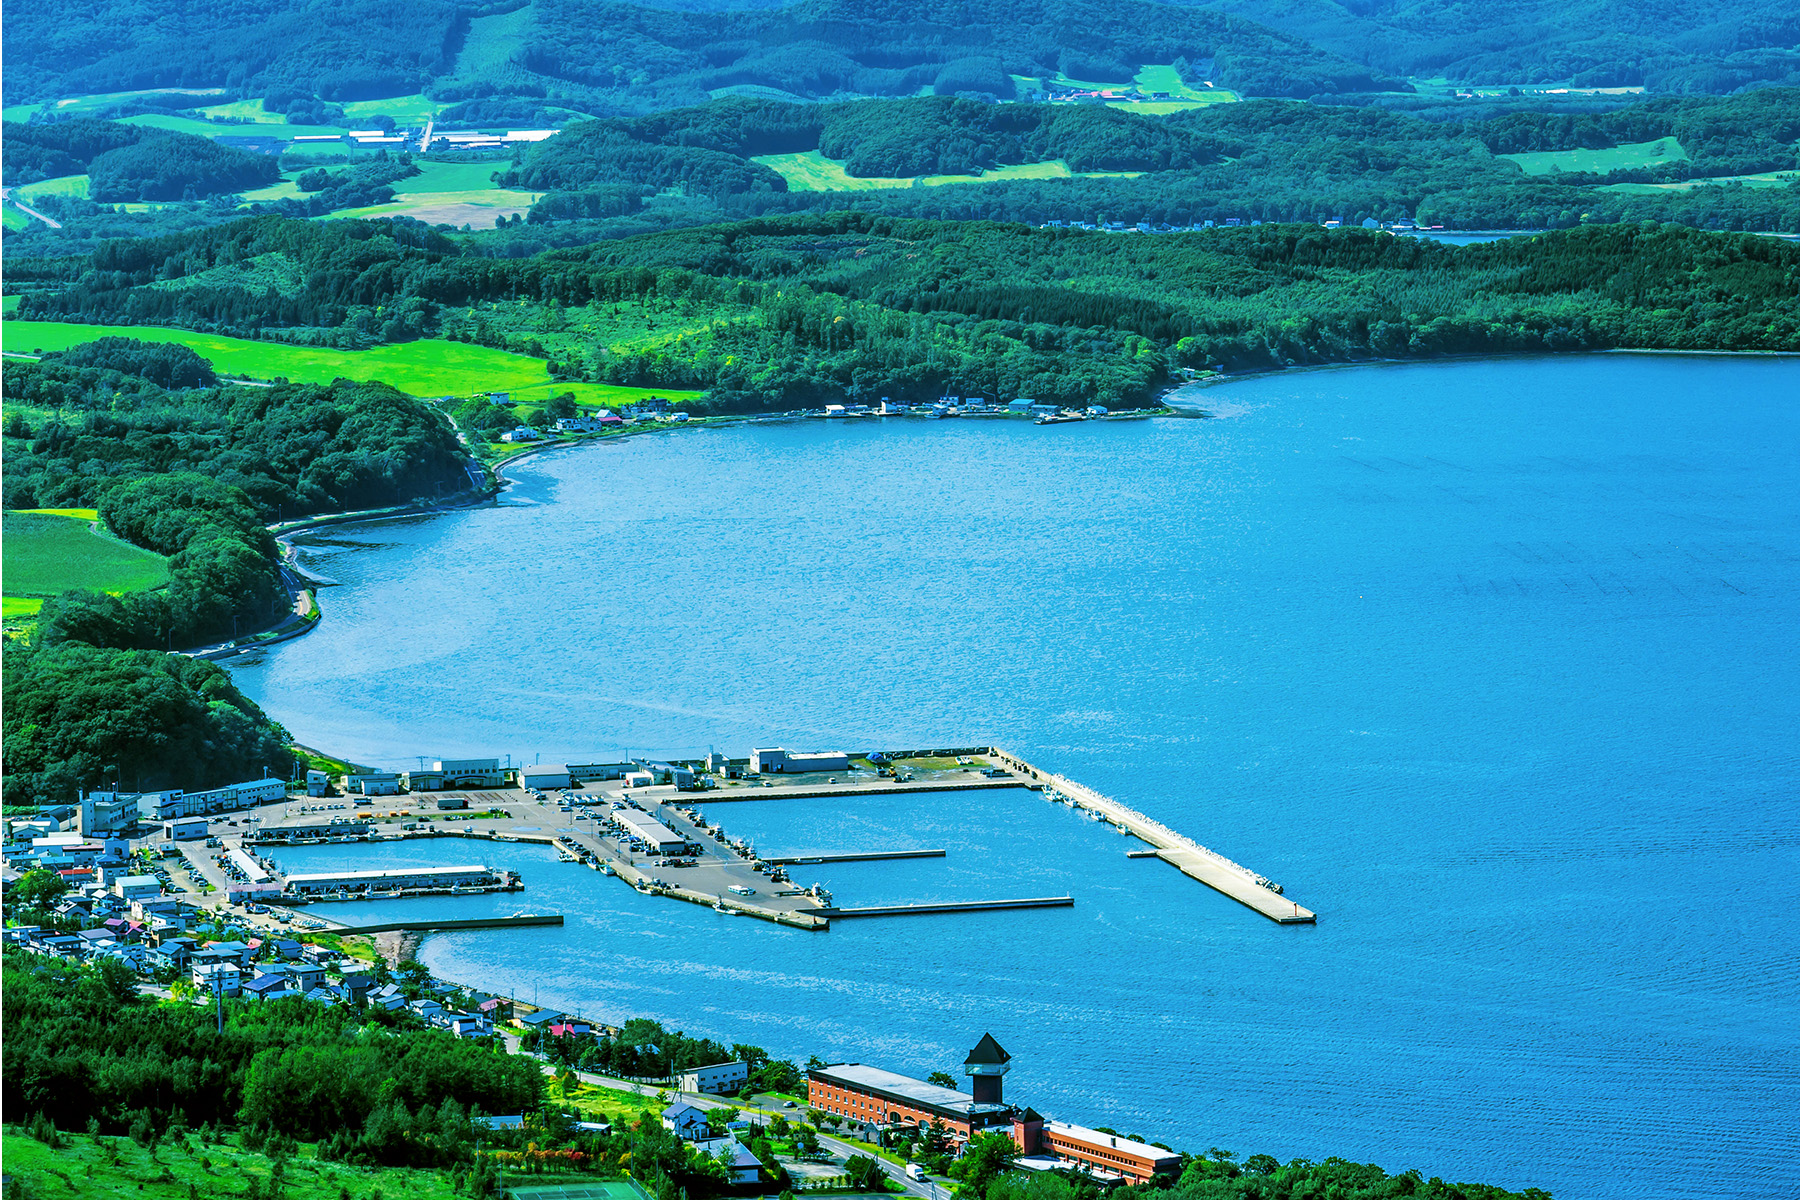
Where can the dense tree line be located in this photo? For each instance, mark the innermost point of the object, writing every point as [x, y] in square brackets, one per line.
[292, 449]
[83, 1046]
[177, 166]
[1716, 48]
[334, 51]
[59, 148]
[77, 715]
[796, 308]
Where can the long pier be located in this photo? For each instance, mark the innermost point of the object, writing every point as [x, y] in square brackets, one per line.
[448, 926]
[904, 910]
[1186, 855]
[789, 860]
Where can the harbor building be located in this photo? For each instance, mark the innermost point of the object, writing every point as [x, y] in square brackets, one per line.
[473, 875]
[778, 761]
[373, 783]
[589, 772]
[166, 806]
[469, 772]
[656, 835]
[545, 775]
[186, 829]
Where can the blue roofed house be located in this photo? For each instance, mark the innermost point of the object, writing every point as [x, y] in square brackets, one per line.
[269, 987]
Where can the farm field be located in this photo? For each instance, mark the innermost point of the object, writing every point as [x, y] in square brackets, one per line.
[51, 551]
[813, 172]
[406, 110]
[474, 206]
[428, 368]
[1613, 158]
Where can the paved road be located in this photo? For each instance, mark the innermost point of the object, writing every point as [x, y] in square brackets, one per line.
[843, 1149]
[6, 197]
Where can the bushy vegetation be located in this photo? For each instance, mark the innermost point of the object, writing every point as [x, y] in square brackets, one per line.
[76, 714]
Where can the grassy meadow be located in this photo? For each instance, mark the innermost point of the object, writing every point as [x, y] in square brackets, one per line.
[429, 367]
[1613, 158]
[46, 552]
[813, 172]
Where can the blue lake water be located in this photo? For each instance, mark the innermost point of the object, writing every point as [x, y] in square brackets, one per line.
[1492, 664]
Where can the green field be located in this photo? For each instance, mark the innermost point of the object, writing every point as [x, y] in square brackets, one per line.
[813, 172]
[62, 185]
[118, 1166]
[1768, 179]
[1615, 158]
[429, 367]
[47, 553]
[477, 206]
[12, 218]
[406, 110]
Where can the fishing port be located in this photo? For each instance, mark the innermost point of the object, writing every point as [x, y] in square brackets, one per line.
[644, 824]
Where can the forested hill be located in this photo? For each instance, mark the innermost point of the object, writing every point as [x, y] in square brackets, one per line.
[780, 312]
[1712, 46]
[609, 57]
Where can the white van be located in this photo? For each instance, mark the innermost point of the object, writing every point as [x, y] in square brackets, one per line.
[915, 1172]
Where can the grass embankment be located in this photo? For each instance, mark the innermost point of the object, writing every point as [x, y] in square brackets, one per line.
[813, 172]
[1613, 158]
[429, 367]
[51, 551]
[182, 1169]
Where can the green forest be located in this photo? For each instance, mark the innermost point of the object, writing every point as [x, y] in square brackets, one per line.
[647, 57]
[791, 311]
[76, 715]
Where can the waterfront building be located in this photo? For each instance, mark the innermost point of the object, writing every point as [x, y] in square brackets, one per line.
[544, 775]
[876, 1097]
[656, 835]
[1056, 1145]
[589, 772]
[166, 806]
[373, 783]
[778, 761]
[317, 782]
[470, 772]
[720, 1079]
[312, 884]
[186, 829]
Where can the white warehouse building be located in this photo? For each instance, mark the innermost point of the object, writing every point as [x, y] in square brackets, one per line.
[474, 875]
[777, 761]
[720, 1079]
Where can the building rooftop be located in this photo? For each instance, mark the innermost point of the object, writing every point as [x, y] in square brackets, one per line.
[987, 1052]
[385, 873]
[901, 1087]
[1106, 1141]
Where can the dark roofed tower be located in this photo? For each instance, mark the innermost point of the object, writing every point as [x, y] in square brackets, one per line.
[986, 1065]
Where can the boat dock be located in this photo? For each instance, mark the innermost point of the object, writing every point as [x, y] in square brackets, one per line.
[1186, 855]
[790, 860]
[902, 910]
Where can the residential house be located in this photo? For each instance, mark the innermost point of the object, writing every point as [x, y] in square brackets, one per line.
[218, 978]
[269, 987]
[429, 1010]
[684, 1121]
[543, 1018]
[388, 996]
[744, 1166]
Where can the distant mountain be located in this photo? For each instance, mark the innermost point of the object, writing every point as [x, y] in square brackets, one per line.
[1713, 46]
[606, 56]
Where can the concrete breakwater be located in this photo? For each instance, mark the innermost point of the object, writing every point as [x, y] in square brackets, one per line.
[1190, 857]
